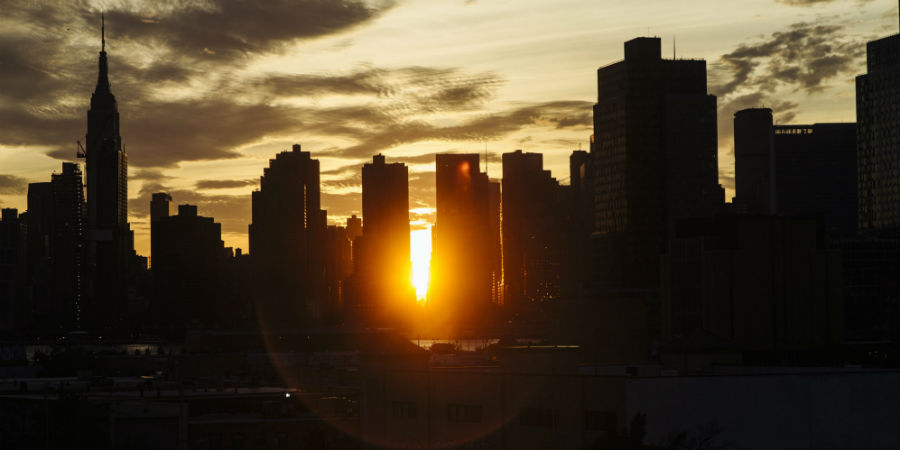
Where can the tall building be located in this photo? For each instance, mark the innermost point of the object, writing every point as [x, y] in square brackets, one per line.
[385, 292]
[338, 266]
[533, 232]
[796, 170]
[109, 235]
[460, 291]
[189, 260]
[753, 160]
[56, 249]
[286, 241]
[13, 286]
[494, 250]
[655, 158]
[581, 180]
[878, 135]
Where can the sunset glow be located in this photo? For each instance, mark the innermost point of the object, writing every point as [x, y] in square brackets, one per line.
[420, 253]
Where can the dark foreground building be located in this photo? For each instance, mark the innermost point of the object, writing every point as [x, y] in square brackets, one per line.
[655, 156]
[287, 236]
[796, 170]
[110, 242]
[878, 135]
[460, 292]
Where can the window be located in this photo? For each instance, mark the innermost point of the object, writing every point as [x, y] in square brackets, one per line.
[539, 417]
[600, 421]
[404, 410]
[464, 413]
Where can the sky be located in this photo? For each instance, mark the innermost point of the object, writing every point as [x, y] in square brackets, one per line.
[209, 91]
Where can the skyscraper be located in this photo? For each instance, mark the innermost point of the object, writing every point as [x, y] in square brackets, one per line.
[109, 236]
[188, 268]
[460, 292]
[383, 271]
[532, 231]
[287, 235]
[796, 170]
[56, 249]
[655, 157]
[753, 160]
[878, 135]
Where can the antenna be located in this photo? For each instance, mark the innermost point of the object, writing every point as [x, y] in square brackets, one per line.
[102, 33]
[673, 46]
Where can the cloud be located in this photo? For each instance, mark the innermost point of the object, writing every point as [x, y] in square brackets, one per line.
[804, 56]
[559, 114]
[11, 184]
[764, 72]
[224, 184]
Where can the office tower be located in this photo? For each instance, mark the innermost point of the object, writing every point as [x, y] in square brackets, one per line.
[494, 250]
[188, 268]
[533, 231]
[581, 180]
[338, 266]
[878, 136]
[460, 291]
[753, 160]
[796, 170]
[13, 287]
[384, 290]
[286, 239]
[815, 174]
[56, 249]
[109, 236]
[354, 227]
[655, 158]
[159, 208]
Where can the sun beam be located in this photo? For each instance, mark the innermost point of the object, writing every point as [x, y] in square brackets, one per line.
[420, 253]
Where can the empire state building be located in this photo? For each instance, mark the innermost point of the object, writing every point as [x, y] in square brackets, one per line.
[109, 235]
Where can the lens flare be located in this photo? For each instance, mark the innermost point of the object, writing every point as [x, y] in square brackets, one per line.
[420, 253]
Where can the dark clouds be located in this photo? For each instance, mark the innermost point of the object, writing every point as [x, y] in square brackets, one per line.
[11, 184]
[804, 57]
[224, 184]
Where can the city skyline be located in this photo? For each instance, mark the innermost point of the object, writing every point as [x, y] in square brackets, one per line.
[329, 85]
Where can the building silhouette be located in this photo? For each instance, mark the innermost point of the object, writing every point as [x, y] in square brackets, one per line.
[533, 232]
[110, 242]
[494, 250]
[189, 267]
[460, 292]
[287, 235]
[654, 156]
[384, 292]
[56, 249]
[338, 266]
[754, 160]
[878, 136]
[763, 288]
[581, 180]
[13, 276]
[796, 170]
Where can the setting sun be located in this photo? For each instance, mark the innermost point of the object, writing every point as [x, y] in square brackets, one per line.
[420, 253]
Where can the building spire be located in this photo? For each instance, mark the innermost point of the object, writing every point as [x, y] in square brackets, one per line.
[103, 74]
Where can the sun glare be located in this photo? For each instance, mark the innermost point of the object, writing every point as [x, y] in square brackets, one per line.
[420, 253]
